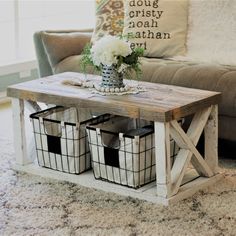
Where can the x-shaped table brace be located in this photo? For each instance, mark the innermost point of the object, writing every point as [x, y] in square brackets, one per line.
[170, 177]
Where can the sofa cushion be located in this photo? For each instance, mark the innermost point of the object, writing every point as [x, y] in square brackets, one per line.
[159, 26]
[211, 31]
[109, 18]
[187, 74]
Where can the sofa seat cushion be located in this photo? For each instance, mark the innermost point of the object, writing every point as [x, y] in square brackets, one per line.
[187, 74]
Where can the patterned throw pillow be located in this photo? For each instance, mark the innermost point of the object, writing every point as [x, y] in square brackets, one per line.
[109, 18]
[159, 26]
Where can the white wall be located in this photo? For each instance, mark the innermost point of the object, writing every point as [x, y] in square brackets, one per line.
[19, 19]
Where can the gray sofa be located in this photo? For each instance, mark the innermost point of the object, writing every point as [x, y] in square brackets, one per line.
[61, 51]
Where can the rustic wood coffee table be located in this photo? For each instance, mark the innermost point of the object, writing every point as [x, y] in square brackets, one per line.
[163, 104]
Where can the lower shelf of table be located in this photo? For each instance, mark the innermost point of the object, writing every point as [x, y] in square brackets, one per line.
[191, 184]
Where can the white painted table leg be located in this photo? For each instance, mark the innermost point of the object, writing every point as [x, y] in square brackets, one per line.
[19, 132]
[163, 164]
[211, 140]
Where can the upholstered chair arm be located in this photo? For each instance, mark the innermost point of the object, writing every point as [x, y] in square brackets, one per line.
[53, 46]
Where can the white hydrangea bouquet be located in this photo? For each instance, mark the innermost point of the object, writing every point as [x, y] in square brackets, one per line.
[112, 51]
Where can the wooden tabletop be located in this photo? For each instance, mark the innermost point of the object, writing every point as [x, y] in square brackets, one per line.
[159, 103]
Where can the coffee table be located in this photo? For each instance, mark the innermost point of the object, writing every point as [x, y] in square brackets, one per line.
[163, 104]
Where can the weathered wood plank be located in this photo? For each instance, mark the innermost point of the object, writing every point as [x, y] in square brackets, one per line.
[32, 106]
[159, 103]
[178, 139]
[185, 155]
[197, 125]
[19, 132]
[192, 187]
[198, 161]
[179, 168]
[162, 151]
[211, 140]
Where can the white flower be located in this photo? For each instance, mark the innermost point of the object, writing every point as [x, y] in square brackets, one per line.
[106, 50]
[123, 68]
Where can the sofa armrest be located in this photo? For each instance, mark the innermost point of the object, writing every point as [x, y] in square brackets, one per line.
[51, 46]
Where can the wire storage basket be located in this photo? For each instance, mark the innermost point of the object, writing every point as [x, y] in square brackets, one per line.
[61, 140]
[123, 150]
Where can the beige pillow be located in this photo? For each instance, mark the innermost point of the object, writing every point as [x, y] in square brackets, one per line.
[59, 46]
[159, 26]
[109, 18]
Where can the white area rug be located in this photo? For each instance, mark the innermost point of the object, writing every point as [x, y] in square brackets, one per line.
[30, 205]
